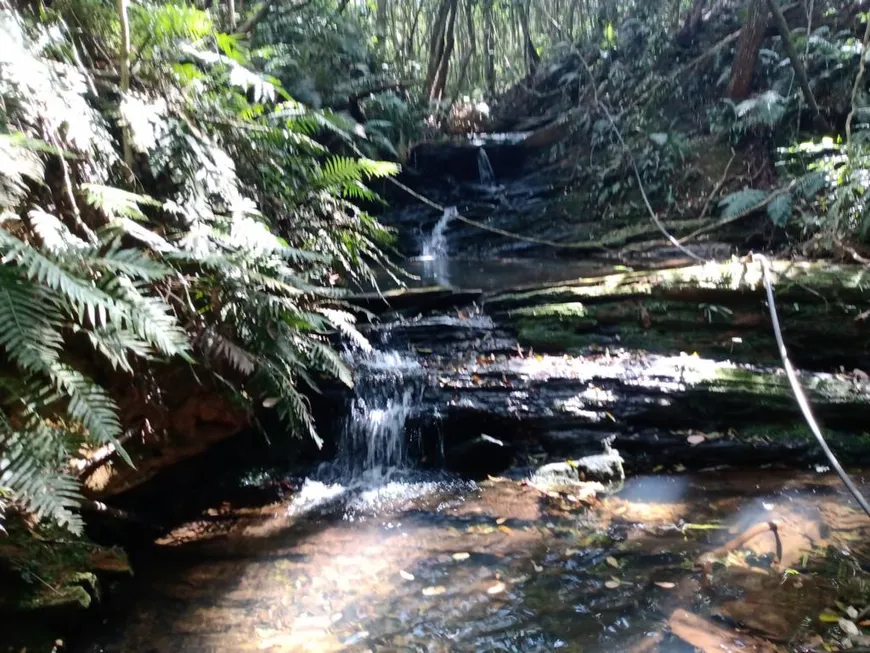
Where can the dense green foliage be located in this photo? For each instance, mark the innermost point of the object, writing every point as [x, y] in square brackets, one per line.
[218, 243]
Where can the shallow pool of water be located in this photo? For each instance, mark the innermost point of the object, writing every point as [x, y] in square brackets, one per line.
[429, 564]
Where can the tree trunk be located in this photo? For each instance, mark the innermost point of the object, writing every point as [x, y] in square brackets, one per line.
[437, 91]
[436, 43]
[124, 67]
[381, 26]
[532, 58]
[441, 49]
[799, 70]
[693, 22]
[231, 11]
[489, 47]
[748, 47]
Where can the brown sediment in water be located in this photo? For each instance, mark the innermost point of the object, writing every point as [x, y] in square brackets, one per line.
[498, 566]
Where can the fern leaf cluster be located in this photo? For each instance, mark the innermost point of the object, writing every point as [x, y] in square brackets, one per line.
[222, 247]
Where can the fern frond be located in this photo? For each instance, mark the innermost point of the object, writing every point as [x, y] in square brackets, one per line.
[779, 209]
[742, 200]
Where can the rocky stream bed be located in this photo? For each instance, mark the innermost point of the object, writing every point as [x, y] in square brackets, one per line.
[425, 522]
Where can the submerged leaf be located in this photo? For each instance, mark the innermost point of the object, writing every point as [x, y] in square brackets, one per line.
[435, 590]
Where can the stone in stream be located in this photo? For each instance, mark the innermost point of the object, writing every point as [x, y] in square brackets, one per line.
[480, 456]
[606, 468]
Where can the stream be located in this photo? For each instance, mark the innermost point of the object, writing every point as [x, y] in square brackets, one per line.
[422, 532]
[437, 564]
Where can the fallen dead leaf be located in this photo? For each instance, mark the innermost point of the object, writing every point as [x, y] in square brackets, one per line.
[461, 556]
[404, 574]
[501, 520]
[498, 588]
[613, 562]
[612, 584]
[434, 590]
[665, 585]
[696, 439]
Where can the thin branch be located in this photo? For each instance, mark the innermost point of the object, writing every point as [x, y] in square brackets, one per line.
[797, 65]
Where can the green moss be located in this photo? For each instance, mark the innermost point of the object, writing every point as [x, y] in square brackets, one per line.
[51, 569]
[808, 282]
[74, 595]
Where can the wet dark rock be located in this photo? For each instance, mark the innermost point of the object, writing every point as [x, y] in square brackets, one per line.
[479, 456]
[460, 160]
[617, 364]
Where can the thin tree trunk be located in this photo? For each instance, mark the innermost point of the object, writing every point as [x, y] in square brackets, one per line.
[489, 47]
[437, 91]
[124, 67]
[693, 22]
[799, 70]
[532, 58]
[472, 37]
[436, 44]
[412, 35]
[231, 10]
[381, 25]
[748, 47]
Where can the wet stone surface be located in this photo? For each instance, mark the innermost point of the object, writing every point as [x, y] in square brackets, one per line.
[434, 564]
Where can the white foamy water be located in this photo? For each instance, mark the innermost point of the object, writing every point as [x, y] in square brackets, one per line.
[484, 168]
[435, 250]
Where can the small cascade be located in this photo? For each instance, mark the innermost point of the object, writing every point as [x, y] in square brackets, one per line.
[484, 168]
[435, 252]
[435, 246]
[374, 441]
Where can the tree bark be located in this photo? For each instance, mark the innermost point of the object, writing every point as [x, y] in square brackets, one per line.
[748, 47]
[532, 58]
[231, 10]
[796, 63]
[436, 43]
[693, 22]
[441, 49]
[381, 25]
[449, 43]
[489, 47]
[124, 67]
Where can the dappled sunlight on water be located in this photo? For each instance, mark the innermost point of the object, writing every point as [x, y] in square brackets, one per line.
[438, 565]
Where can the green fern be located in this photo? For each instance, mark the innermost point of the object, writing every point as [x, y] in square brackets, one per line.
[765, 110]
[741, 201]
[779, 209]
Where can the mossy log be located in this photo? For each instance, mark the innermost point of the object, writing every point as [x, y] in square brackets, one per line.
[717, 310]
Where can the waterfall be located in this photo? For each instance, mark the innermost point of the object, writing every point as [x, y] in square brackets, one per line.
[435, 253]
[374, 440]
[435, 246]
[484, 168]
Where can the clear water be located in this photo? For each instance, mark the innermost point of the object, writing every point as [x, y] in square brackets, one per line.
[450, 566]
[435, 251]
[486, 174]
[375, 440]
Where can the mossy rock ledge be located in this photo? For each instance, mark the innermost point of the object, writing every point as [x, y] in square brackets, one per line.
[680, 366]
[51, 580]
